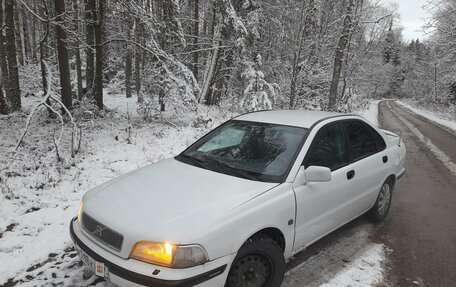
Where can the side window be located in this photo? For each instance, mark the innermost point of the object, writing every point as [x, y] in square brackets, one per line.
[328, 148]
[379, 141]
[362, 141]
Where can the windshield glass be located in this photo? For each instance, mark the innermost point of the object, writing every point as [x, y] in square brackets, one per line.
[256, 151]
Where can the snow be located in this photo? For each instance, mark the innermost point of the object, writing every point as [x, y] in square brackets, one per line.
[351, 259]
[439, 118]
[40, 196]
[366, 270]
[371, 113]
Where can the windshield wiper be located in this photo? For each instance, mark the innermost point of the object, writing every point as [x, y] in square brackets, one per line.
[229, 169]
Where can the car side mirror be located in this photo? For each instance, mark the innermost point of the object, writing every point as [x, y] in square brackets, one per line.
[312, 174]
[317, 174]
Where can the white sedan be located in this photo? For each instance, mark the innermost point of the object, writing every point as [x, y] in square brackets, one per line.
[235, 205]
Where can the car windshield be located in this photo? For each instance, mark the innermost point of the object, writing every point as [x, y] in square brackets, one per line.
[256, 151]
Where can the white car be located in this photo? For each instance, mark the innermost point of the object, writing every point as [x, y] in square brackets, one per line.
[235, 205]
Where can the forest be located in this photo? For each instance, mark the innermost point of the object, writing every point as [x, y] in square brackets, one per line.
[242, 55]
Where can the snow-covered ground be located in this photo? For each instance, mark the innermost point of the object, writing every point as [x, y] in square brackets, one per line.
[371, 113]
[441, 119]
[39, 195]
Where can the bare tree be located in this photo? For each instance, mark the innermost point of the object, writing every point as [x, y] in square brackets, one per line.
[18, 35]
[3, 65]
[128, 56]
[98, 78]
[90, 36]
[195, 37]
[138, 38]
[62, 50]
[303, 32]
[43, 43]
[14, 92]
[77, 52]
[339, 55]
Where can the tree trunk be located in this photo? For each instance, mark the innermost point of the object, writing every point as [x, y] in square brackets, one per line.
[14, 92]
[299, 43]
[212, 60]
[33, 32]
[3, 68]
[138, 61]
[43, 43]
[77, 52]
[18, 35]
[25, 35]
[339, 55]
[64, 67]
[90, 66]
[3, 110]
[128, 55]
[195, 39]
[98, 78]
[163, 45]
[128, 72]
[161, 93]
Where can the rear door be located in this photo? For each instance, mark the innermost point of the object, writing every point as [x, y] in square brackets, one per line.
[368, 161]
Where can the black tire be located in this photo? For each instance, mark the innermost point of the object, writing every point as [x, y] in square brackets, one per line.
[380, 210]
[259, 263]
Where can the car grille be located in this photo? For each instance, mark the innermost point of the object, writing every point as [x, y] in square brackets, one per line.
[101, 232]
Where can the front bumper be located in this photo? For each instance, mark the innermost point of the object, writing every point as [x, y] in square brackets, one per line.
[133, 273]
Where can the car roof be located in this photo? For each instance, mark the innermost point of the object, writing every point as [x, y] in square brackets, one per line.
[298, 118]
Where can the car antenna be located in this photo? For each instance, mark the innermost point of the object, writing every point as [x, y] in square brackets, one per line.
[400, 138]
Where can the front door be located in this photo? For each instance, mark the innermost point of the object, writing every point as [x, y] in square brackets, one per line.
[322, 206]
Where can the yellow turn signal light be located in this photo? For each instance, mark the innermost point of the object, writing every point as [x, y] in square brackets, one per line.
[154, 252]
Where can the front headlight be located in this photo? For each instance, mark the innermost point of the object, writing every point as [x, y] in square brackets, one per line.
[80, 211]
[169, 255]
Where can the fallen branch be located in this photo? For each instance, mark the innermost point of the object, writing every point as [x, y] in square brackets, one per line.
[44, 102]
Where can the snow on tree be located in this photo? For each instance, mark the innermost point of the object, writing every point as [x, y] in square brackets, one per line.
[259, 93]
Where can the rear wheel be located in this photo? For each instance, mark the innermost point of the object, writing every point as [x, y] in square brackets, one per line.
[383, 203]
[259, 263]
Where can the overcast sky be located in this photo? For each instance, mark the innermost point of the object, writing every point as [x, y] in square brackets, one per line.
[412, 18]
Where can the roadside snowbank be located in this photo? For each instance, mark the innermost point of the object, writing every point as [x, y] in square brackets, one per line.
[366, 270]
[349, 260]
[371, 113]
[433, 116]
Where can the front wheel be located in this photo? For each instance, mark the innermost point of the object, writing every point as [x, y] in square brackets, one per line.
[259, 263]
[383, 203]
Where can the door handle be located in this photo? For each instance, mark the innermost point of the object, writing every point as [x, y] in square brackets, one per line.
[350, 174]
[385, 159]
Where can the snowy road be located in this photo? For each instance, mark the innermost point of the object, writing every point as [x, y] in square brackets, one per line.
[421, 226]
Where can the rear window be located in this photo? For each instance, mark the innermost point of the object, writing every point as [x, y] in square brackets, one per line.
[361, 140]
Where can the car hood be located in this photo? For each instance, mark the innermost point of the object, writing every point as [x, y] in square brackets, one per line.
[168, 201]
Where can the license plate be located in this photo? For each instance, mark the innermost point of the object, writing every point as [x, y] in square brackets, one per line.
[96, 267]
